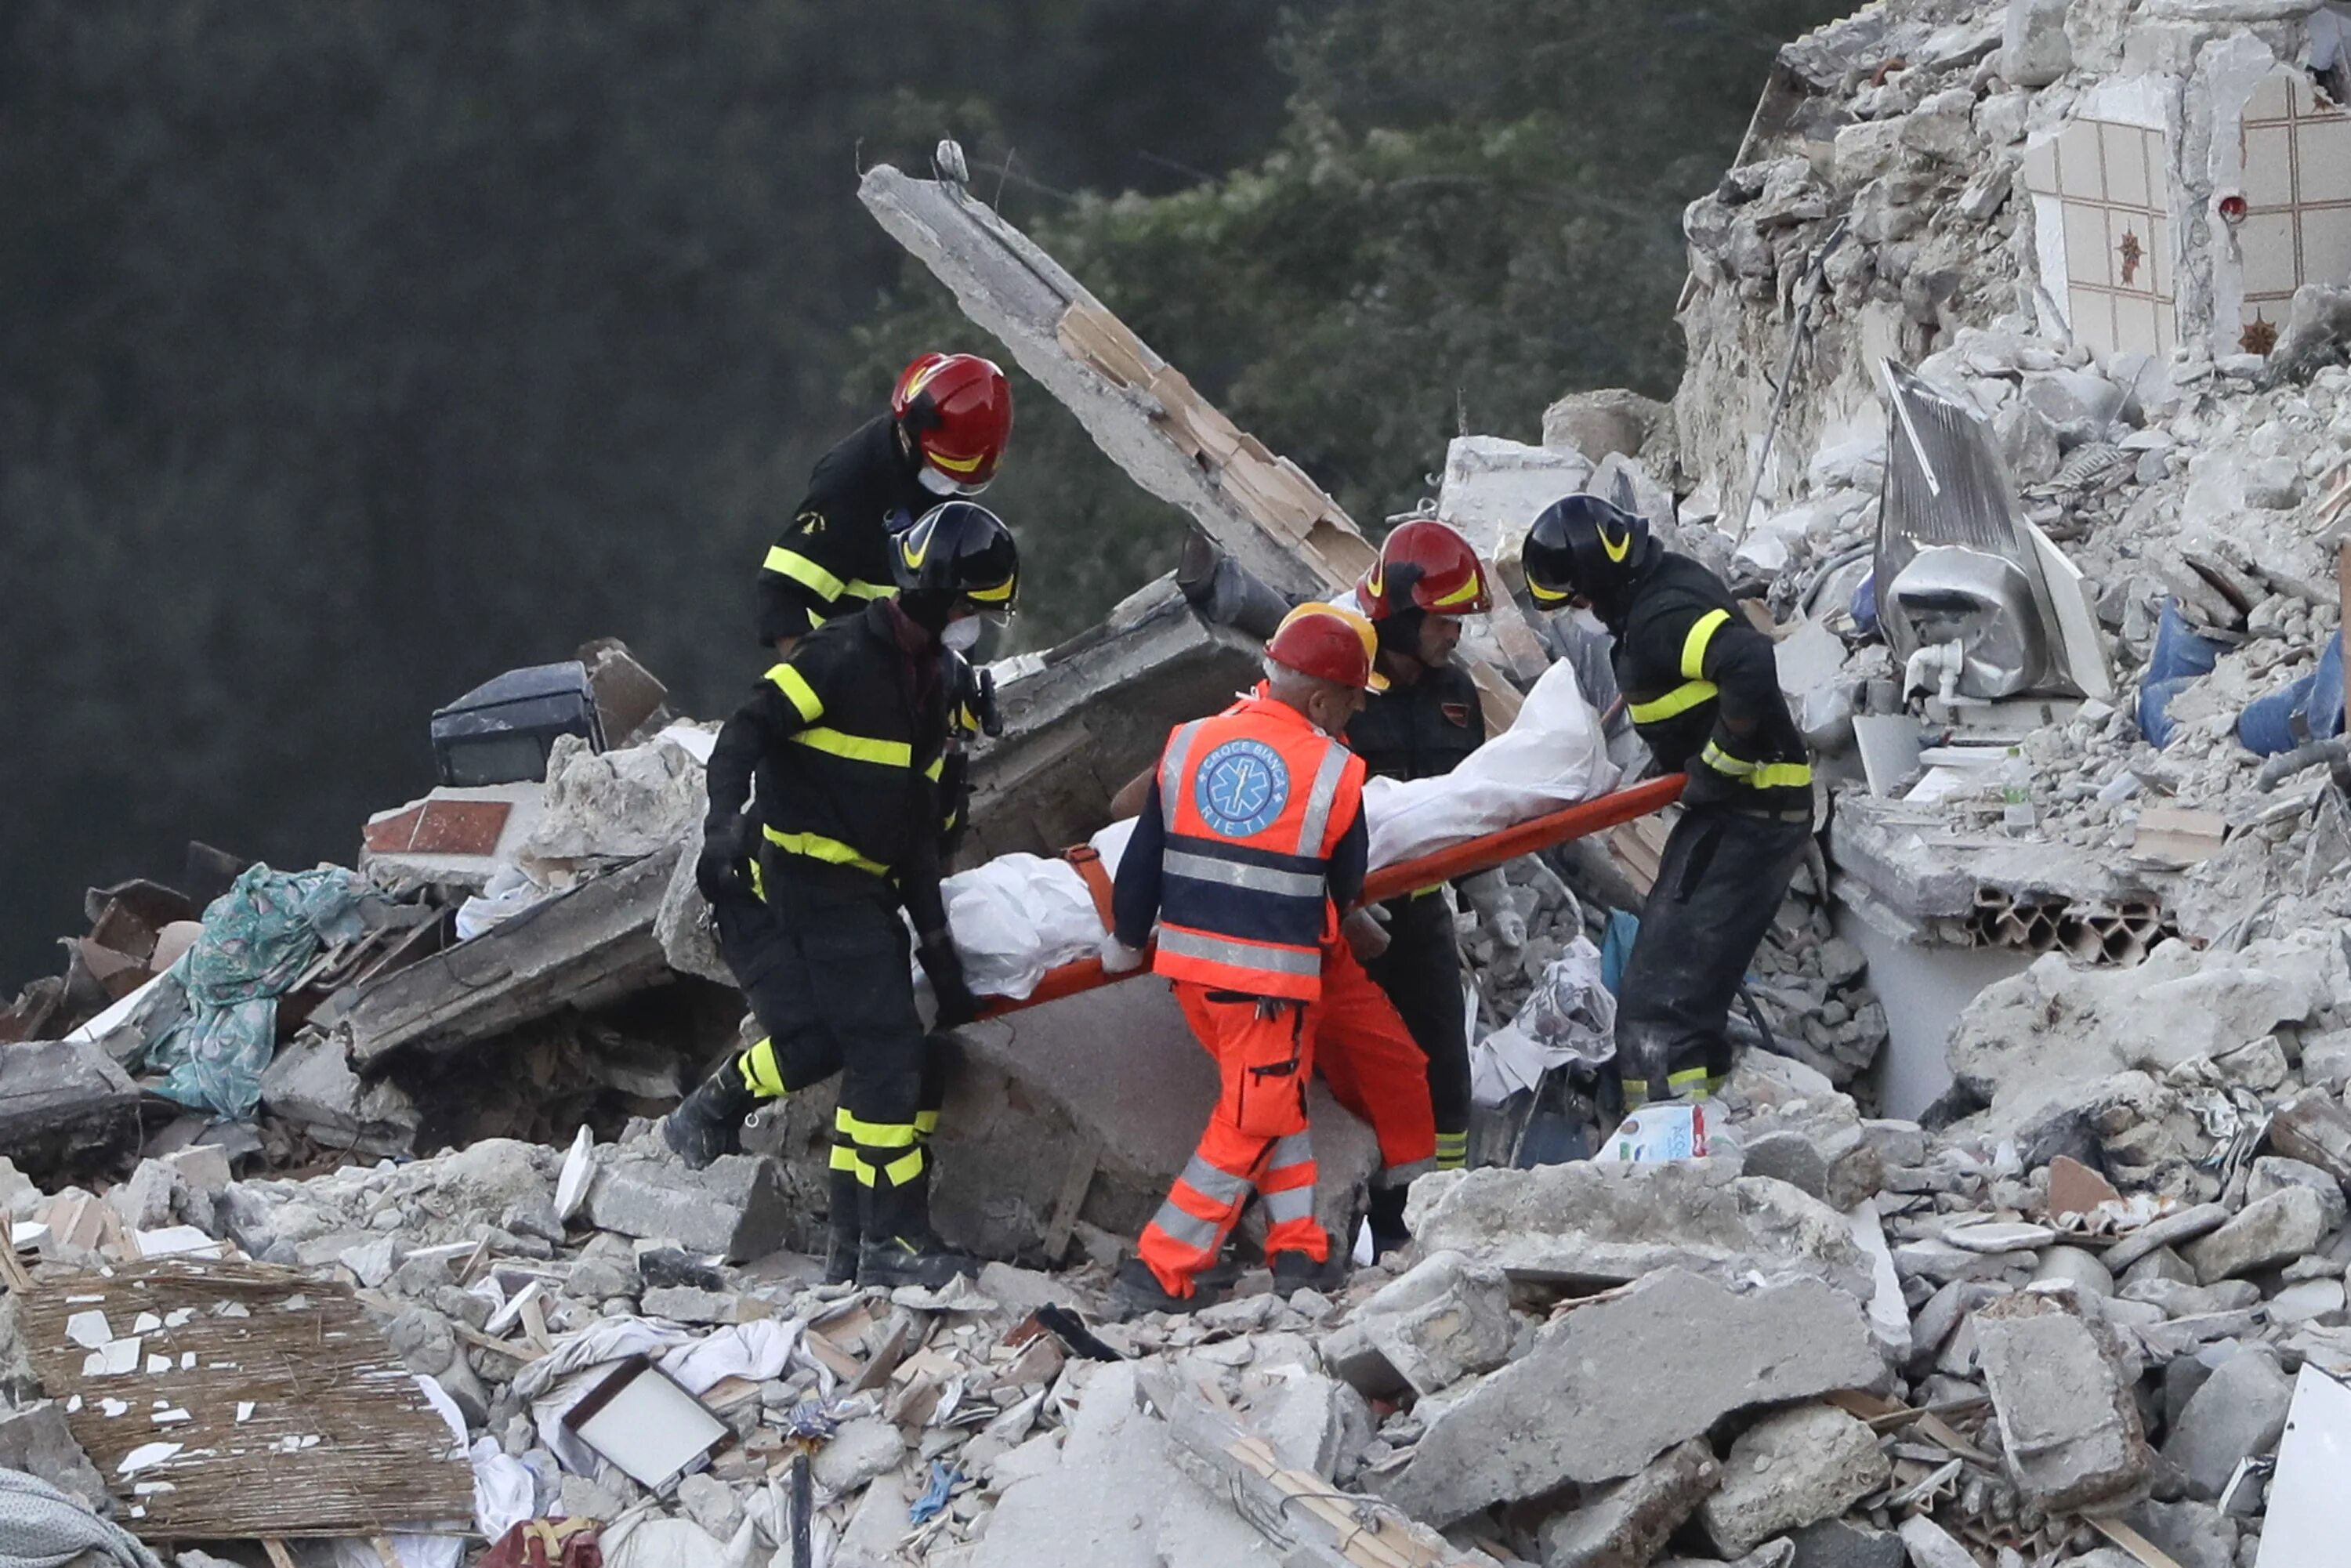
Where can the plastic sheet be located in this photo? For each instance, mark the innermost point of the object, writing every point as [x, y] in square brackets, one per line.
[1569, 1019]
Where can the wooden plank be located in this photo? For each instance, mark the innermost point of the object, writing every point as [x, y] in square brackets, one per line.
[2132, 1542]
[1072, 1199]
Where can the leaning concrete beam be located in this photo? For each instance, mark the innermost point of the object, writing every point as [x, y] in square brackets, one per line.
[592, 946]
[1139, 409]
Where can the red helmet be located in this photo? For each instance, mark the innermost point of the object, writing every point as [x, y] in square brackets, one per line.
[1425, 565]
[957, 410]
[1329, 643]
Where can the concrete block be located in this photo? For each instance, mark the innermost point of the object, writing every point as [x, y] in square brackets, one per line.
[2314, 1128]
[1588, 1223]
[1571, 1408]
[2034, 49]
[1042, 1123]
[1789, 1470]
[1625, 1525]
[2239, 1412]
[736, 1208]
[1932, 1546]
[1823, 1150]
[36, 1440]
[310, 1083]
[2275, 1172]
[860, 1450]
[1837, 1543]
[2273, 1229]
[1445, 1320]
[2069, 1428]
[2193, 1535]
[1594, 424]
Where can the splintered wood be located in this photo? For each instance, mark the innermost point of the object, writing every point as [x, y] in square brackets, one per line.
[232, 1400]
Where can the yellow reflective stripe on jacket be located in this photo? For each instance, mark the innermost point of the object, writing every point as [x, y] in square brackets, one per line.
[824, 584]
[857, 748]
[1758, 775]
[1695, 689]
[938, 766]
[1680, 700]
[1694, 646]
[1721, 761]
[817, 847]
[794, 686]
[803, 571]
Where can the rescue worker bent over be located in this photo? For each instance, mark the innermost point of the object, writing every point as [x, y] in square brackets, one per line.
[950, 415]
[1250, 845]
[1428, 720]
[1702, 688]
[846, 736]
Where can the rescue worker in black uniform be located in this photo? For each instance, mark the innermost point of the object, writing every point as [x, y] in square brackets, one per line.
[847, 736]
[1702, 688]
[1428, 720]
[950, 415]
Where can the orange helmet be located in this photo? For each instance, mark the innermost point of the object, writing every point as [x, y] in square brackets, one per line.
[957, 410]
[1425, 565]
[1329, 643]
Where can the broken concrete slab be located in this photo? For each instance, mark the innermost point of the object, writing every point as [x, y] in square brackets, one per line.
[2275, 1172]
[1841, 1543]
[2314, 1128]
[2273, 1229]
[1566, 1411]
[36, 1440]
[1588, 1223]
[1595, 424]
[2070, 1430]
[2239, 1412]
[1819, 1148]
[582, 949]
[1444, 1319]
[62, 1100]
[1791, 1469]
[1625, 1525]
[2024, 1042]
[1044, 1130]
[310, 1083]
[1932, 1546]
[736, 1208]
[2170, 1230]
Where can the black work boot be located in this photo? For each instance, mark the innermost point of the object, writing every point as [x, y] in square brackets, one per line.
[1295, 1270]
[708, 1122]
[848, 1230]
[1137, 1291]
[1385, 1212]
[900, 1247]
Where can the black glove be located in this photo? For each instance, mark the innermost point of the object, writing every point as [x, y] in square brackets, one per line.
[944, 965]
[723, 870]
[991, 722]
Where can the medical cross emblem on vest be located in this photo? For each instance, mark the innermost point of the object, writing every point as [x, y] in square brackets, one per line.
[1241, 787]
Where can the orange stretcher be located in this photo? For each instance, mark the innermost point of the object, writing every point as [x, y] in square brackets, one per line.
[1579, 820]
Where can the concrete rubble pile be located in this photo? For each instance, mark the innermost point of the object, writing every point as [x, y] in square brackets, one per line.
[1894, 1341]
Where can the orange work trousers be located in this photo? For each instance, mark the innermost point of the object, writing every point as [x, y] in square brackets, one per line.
[1258, 1139]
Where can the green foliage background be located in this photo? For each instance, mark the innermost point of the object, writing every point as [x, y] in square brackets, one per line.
[352, 353]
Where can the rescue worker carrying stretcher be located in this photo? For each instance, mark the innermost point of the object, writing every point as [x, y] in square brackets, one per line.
[1424, 724]
[1702, 688]
[1249, 853]
[846, 736]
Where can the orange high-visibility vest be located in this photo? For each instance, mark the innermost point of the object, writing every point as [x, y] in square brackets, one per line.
[1256, 800]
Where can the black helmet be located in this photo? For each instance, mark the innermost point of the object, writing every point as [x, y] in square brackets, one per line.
[1583, 548]
[958, 552]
